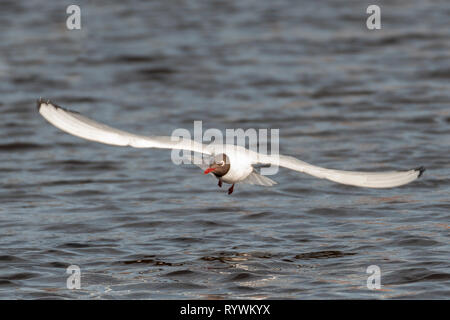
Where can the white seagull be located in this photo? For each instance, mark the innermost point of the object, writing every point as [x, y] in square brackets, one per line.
[228, 163]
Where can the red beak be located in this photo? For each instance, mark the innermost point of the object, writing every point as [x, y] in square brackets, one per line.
[209, 170]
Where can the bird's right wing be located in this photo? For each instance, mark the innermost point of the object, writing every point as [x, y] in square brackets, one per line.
[78, 125]
[386, 179]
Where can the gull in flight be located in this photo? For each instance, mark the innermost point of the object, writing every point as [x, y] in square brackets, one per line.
[228, 163]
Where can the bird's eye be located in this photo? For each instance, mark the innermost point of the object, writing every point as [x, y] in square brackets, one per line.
[221, 163]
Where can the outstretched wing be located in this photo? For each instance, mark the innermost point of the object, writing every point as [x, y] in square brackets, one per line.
[388, 179]
[78, 125]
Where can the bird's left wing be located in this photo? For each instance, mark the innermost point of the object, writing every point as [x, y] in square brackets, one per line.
[387, 179]
[78, 125]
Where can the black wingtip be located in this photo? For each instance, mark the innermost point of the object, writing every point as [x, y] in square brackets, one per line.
[40, 101]
[38, 104]
[421, 171]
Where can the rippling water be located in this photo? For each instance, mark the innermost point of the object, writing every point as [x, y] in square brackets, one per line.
[140, 227]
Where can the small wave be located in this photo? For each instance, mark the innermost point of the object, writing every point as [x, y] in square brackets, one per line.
[323, 255]
[20, 146]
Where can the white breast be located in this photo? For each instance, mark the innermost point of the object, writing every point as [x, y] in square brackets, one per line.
[240, 162]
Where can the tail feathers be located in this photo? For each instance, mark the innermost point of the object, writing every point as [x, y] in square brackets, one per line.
[257, 179]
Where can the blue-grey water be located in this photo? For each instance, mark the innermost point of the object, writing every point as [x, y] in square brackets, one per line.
[140, 227]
